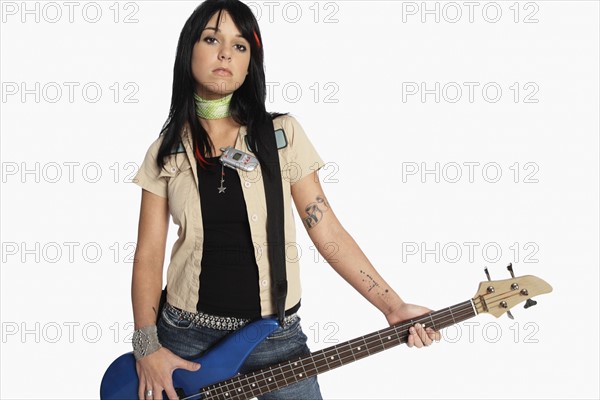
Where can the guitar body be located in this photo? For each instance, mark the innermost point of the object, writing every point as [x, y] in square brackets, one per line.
[220, 362]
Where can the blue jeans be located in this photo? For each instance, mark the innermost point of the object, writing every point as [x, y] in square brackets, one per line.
[189, 341]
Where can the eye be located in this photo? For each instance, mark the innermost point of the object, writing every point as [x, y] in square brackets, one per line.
[210, 39]
[240, 47]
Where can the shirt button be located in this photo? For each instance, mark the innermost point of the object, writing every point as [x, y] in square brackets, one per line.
[247, 184]
[264, 282]
[254, 217]
[173, 169]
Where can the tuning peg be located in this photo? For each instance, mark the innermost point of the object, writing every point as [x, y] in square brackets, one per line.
[487, 273]
[510, 269]
[510, 315]
[529, 303]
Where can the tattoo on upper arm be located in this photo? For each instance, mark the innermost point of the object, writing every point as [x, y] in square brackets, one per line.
[315, 211]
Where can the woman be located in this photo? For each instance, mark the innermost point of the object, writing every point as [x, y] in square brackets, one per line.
[218, 277]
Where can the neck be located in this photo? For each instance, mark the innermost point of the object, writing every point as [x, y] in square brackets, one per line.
[219, 127]
[212, 109]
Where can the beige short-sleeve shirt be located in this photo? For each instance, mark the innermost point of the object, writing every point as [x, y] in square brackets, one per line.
[178, 181]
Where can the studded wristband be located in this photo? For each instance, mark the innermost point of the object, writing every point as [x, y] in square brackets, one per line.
[145, 341]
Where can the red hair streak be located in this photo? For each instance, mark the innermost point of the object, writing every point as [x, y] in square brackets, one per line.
[200, 158]
[256, 38]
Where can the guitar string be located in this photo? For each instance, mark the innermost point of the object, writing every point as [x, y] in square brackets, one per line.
[232, 391]
[287, 370]
[373, 344]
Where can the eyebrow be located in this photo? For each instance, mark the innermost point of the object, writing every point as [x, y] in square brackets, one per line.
[218, 30]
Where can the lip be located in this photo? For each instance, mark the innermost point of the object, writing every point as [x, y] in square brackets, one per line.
[222, 72]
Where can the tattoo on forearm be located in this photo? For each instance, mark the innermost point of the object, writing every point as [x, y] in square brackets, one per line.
[315, 211]
[372, 283]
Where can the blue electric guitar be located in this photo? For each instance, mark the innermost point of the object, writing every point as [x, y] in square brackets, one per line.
[218, 377]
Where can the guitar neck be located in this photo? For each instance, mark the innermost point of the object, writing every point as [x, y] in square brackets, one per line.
[247, 386]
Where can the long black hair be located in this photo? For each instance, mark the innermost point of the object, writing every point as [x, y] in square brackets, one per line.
[247, 105]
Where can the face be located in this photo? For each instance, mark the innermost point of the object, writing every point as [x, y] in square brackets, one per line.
[220, 59]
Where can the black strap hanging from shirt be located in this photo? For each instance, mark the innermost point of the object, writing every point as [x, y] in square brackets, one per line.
[265, 148]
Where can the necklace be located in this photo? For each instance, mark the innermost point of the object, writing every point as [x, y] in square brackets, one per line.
[212, 109]
[222, 188]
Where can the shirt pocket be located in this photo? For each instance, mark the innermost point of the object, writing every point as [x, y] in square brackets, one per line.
[180, 180]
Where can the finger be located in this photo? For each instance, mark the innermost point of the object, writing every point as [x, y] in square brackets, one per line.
[171, 393]
[188, 365]
[435, 336]
[142, 389]
[156, 393]
[423, 335]
[415, 338]
[144, 392]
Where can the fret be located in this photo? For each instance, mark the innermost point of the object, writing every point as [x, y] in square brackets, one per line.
[380, 339]
[206, 392]
[246, 383]
[367, 347]
[309, 366]
[236, 390]
[254, 389]
[219, 391]
[351, 348]
[375, 343]
[333, 358]
[320, 361]
[257, 383]
[392, 337]
[432, 323]
[361, 348]
[230, 390]
[270, 382]
[451, 314]
[339, 356]
[287, 373]
[299, 370]
[345, 353]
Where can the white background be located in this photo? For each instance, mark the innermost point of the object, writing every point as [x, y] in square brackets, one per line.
[66, 316]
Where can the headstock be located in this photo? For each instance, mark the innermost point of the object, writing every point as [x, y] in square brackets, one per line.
[498, 297]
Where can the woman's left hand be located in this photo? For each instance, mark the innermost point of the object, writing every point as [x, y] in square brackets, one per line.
[418, 336]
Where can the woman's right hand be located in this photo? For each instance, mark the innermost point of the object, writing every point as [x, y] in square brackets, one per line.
[155, 372]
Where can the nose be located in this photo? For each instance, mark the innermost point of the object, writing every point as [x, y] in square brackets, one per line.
[225, 53]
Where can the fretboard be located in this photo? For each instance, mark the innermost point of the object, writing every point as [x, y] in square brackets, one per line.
[247, 386]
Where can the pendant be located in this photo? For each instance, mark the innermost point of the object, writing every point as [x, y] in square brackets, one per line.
[222, 188]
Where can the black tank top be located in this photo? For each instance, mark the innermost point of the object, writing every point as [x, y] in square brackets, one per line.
[229, 273]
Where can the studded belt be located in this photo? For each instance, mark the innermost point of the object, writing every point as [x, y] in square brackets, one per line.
[217, 322]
